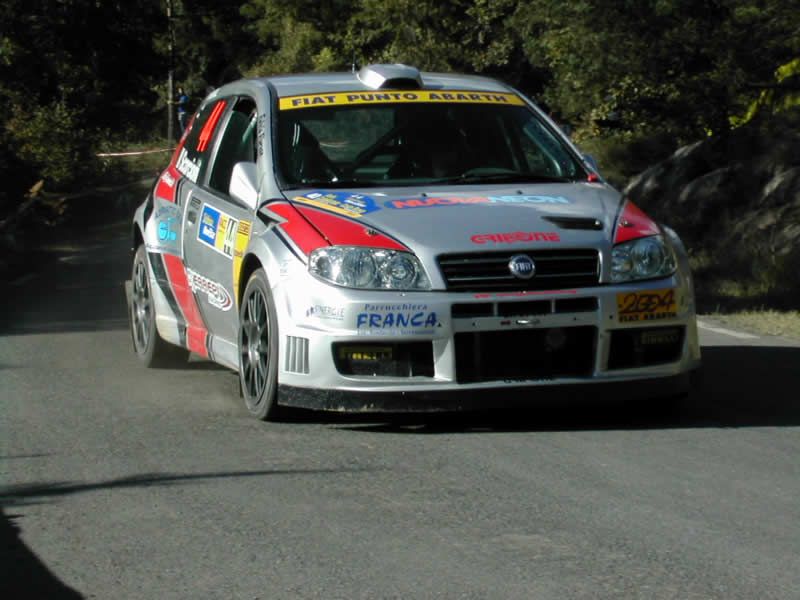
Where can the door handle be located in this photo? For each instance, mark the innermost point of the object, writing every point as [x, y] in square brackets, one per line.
[191, 216]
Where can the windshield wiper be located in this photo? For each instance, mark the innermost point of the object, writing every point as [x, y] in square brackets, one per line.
[338, 184]
[502, 178]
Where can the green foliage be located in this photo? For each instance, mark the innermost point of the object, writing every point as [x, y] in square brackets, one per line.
[53, 141]
[682, 64]
[627, 75]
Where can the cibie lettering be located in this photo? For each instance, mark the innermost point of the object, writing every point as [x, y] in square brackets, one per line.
[396, 320]
[516, 236]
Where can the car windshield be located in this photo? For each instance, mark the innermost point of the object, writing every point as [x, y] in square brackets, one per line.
[414, 143]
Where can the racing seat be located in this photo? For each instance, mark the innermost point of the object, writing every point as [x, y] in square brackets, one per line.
[307, 161]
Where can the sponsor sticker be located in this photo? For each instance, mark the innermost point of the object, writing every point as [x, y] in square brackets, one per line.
[651, 305]
[219, 230]
[239, 247]
[321, 311]
[515, 236]
[434, 201]
[396, 319]
[216, 294]
[344, 203]
[163, 229]
[361, 98]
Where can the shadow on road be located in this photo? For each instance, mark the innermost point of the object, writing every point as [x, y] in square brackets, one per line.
[23, 574]
[15, 495]
[745, 386]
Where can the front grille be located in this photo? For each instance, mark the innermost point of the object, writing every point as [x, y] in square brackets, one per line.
[524, 354]
[488, 271]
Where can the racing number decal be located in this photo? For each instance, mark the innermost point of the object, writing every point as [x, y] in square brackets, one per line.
[230, 235]
[646, 306]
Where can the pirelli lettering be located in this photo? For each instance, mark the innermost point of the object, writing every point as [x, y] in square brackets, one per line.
[357, 98]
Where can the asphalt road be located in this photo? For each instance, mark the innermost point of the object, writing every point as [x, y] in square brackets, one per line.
[119, 482]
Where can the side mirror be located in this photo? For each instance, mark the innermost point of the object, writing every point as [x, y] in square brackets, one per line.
[589, 159]
[244, 183]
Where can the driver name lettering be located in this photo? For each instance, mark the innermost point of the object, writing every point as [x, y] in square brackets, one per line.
[187, 166]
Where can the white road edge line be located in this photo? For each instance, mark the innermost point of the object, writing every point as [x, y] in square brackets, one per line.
[736, 334]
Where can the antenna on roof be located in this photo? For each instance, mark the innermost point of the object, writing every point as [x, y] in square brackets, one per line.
[353, 65]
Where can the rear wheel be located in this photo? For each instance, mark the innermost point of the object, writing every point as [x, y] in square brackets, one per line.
[149, 347]
[258, 348]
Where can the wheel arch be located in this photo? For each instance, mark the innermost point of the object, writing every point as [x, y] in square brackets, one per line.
[136, 236]
[250, 264]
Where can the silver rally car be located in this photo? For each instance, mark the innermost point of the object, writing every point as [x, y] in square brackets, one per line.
[395, 240]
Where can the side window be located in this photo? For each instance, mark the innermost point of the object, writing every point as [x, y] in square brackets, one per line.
[193, 157]
[544, 154]
[238, 144]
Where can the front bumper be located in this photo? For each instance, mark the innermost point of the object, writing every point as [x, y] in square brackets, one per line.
[355, 401]
[328, 318]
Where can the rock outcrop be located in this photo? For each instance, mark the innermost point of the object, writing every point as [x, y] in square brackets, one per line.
[735, 201]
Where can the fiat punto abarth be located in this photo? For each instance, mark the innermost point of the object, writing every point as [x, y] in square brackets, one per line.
[394, 240]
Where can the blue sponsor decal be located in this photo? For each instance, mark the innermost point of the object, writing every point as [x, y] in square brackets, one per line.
[344, 203]
[165, 231]
[209, 221]
[396, 318]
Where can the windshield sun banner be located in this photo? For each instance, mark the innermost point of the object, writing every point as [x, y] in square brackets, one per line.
[394, 97]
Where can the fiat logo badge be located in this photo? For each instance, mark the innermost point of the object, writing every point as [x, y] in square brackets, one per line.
[522, 266]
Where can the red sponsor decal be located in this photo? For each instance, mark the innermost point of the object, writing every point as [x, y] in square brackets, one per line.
[196, 332]
[516, 236]
[211, 124]
[165, 189]
[444, 201]
[633, 223]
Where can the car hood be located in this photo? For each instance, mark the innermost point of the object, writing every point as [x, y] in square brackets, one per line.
[473, 218]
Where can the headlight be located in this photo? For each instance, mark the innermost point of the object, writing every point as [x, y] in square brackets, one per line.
[368, 268]
[646, 258]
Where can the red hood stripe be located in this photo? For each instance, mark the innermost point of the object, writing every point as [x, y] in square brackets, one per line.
[341, 231]
[299, 230]
[633, 223]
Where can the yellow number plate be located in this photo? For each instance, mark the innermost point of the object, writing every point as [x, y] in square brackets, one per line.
[647, 306]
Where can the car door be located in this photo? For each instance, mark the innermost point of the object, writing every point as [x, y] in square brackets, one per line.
[217, 233]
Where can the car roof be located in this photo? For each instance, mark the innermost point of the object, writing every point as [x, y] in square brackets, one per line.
[309, 83]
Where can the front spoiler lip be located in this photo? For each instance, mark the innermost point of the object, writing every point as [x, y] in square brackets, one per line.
[460, 400]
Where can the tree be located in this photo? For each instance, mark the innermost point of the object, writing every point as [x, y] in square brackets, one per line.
[677, 65]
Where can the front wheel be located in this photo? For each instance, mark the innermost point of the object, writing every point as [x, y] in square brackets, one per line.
[151, 350]
[258, 348]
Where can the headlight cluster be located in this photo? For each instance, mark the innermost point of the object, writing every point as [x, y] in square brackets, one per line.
[368, 268]
[645, 258]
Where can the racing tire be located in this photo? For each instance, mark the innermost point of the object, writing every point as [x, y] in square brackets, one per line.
[152, 351]
[258, 349]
